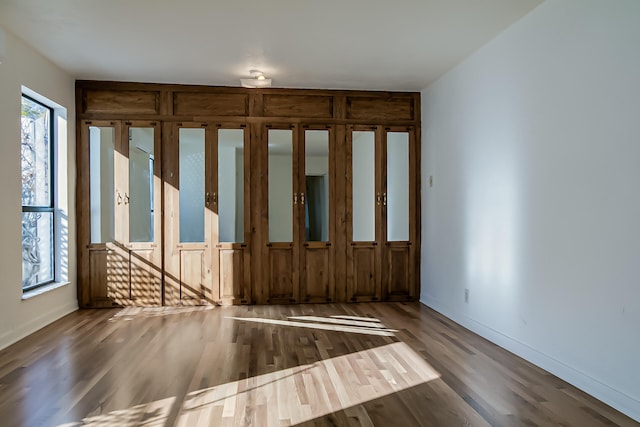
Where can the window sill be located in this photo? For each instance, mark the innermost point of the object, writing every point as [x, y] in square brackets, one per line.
[41, 290]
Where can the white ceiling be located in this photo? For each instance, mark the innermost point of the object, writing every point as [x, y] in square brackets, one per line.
[333, 44]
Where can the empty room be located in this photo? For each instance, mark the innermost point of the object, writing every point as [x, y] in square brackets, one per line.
[330, 213]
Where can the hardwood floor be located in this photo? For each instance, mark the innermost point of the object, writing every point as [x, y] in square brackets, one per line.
[381, 364]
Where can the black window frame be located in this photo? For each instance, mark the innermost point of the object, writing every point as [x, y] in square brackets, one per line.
[52, 187]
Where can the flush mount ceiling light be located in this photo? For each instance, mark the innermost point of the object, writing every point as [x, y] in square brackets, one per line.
[257, 80]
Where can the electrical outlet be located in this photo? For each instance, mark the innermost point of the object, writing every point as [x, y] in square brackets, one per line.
[466, 295]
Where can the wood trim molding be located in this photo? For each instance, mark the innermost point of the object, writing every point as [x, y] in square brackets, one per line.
[166, 102]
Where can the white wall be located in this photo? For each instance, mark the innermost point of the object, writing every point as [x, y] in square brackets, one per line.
[23, 66]
[534, 146]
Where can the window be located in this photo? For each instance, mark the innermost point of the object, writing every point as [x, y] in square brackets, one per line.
[38, 220]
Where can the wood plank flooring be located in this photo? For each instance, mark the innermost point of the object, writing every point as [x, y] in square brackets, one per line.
[378, 364]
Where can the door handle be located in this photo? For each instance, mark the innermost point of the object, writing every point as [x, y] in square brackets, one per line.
[126, 199]
[118, 198]
[302, 198]
[384, 199]
[295, 198]
[378, 199]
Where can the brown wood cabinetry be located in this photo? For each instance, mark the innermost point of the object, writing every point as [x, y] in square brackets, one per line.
[382, 208]
[120, 252]
[209, 195]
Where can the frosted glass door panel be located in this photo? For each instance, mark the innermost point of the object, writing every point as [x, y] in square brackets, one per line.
[192, 160]
[397, 186]
[231, 185]
[280, 144]
[141, 158]
[101, 165]
[363, 189]
[316, 195]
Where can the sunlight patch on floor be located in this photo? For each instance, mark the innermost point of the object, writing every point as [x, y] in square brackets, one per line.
[338, 321]
[306, 392]
[359, 318]
[293, 395]
[323, 323]
[152, 414]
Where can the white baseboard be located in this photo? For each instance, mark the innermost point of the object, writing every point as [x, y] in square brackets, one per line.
[612, 397]
[15, 335]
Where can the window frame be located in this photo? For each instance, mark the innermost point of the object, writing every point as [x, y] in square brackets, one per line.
[50, 208]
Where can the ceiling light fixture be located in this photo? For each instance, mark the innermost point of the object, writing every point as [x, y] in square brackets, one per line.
[257, 80]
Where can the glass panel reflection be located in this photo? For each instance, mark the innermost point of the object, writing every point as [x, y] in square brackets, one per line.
[397, 186]
[363, 185]
[231, 185]
[141, 159]
[280, 148]
[192, 161]
[101, 183]
[37, 248]
[316, 185]
[35, 153]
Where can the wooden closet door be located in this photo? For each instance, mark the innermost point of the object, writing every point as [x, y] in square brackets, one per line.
[399, 213]
[190, 221]
[232, 200]
[280, 216]
[139, 223]
[364, 213]
[316, 206]
[122, 184]
[382, 199]
[103, 257]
